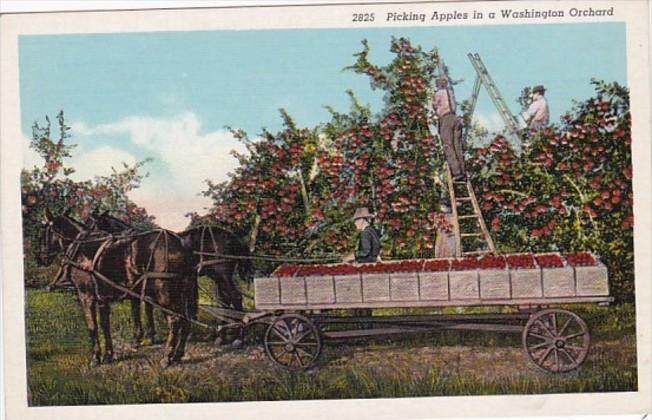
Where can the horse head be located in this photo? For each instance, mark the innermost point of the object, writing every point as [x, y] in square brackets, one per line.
[57, 234]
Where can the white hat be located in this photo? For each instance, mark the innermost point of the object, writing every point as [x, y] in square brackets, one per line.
[363, 213]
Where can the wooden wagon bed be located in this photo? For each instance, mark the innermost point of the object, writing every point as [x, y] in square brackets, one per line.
[477, 287]
[289, 303]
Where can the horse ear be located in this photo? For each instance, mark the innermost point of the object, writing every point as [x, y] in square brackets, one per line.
[48, 215]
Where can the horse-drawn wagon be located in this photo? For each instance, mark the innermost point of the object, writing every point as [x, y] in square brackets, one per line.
[304, 306]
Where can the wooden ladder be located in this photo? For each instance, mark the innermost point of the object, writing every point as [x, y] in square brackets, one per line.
[511, 122]
[482, 233]
[483, 77]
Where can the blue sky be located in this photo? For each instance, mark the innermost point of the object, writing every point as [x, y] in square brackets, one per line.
[169, 95]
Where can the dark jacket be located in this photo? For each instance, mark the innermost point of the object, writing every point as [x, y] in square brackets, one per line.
[368, 245]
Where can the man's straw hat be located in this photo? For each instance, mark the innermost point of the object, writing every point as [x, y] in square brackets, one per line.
[362, 213]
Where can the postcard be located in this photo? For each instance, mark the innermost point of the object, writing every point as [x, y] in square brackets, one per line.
[369, 210]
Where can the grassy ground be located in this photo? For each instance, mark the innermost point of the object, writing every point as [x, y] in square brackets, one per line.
[428, 365]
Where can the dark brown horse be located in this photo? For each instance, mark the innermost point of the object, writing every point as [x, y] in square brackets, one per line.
[106, 223]
[217, 254]
[52, 245]
[152, 265]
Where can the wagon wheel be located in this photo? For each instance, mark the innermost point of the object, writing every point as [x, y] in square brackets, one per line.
[556, 340]
[293, 341]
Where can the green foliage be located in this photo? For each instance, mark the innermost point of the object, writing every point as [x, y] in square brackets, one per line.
[525, 99]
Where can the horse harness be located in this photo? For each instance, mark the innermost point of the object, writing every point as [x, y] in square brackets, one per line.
[71, 254]
[108, 240]
[46, 239]
[203, 253]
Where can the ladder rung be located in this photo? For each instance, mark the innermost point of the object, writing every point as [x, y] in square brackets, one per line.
[462, 198]
[471, 234]
[468, 216]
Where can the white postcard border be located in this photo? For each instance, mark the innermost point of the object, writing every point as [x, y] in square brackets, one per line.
[633, 12]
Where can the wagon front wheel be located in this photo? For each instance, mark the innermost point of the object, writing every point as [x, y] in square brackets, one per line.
[293, 341]
[556, 340]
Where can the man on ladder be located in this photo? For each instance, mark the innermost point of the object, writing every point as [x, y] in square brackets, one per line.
[537, 115]
[450, 131]
[450, 128]
[463, 203]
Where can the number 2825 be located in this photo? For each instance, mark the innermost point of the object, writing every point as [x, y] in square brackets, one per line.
[363, 17]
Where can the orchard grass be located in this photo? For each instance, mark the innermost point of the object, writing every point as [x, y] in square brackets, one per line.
[437, 364]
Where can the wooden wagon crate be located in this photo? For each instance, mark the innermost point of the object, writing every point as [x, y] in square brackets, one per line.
[476, 287]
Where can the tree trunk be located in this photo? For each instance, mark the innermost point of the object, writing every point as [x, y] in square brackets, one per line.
[254, 233]
[304, 193]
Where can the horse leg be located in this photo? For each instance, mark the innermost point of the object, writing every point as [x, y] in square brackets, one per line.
[232, 295]
[184, 332]
[221, 293]
[223, 297]
[222, 300]
[105, 323]
[190, 313]
[236, 299]
[88, 306]
[138, 326]
[172, 340]
[236, 296]
[151, 328]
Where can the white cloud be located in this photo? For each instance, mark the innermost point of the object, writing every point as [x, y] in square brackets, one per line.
[491, 122]
[188, 156]
[98, 162]
[87, 165]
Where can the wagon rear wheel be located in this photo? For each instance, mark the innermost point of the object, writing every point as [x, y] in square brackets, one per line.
[556, 340]
[293, 341]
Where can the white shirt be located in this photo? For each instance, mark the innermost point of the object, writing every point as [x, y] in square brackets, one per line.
[442, 103]
[537, 115]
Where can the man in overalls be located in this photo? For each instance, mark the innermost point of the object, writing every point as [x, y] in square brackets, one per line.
[450, 128]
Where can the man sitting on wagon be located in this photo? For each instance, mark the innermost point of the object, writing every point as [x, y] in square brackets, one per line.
[369, 242]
